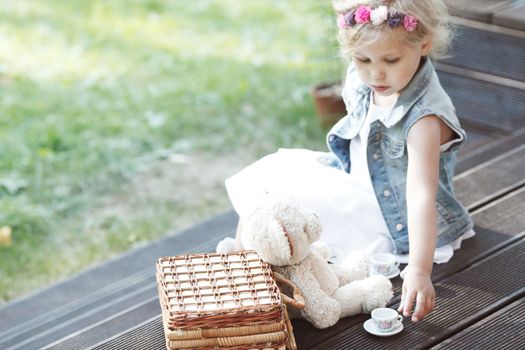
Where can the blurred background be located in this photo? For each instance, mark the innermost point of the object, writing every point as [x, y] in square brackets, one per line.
[120, 119]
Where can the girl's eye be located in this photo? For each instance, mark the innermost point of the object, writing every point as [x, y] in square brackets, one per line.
[391, 61]
[363, 60]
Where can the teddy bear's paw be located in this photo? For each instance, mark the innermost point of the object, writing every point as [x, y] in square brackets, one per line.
[378, 292]
[227, 245]
[323, 314]
[326, 322]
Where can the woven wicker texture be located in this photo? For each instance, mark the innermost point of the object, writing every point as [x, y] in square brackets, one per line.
[220, 300]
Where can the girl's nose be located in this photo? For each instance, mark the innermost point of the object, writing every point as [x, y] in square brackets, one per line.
[377, 74]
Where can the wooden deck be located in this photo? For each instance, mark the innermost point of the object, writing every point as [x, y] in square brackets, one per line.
[480, 293]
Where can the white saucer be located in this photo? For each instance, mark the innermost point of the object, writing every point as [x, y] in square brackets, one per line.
[371, 328]
[394, 273]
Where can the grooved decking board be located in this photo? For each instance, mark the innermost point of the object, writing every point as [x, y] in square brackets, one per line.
[481, 183]
[493, 230]
[479, 10]
[503, 53]
[493, 331]
[49, 303]
[105, 329]
[136, 339]
[513, 17]
[489, 151]
[48, 332]
[475, 140]
[485, 103]
[464, 298]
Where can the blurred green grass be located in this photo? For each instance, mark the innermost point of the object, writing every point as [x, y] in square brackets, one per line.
[108, 109]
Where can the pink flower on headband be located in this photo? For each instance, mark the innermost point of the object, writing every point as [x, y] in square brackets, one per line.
[346, 20]
[341, 21]
[409, 23]
[362, 14]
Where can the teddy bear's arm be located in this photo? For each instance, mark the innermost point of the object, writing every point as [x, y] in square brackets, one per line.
[353, 268]
[323, 272]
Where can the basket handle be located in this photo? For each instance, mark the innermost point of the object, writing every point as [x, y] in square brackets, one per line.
[298, 299]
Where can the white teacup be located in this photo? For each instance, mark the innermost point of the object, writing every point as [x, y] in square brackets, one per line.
[383, 263]
[386, 319]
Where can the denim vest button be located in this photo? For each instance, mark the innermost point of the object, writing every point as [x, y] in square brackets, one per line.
[375, 156]
[386, 193]
[399, 227]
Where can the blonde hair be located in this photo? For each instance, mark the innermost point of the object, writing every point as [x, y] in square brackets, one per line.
[432, 16]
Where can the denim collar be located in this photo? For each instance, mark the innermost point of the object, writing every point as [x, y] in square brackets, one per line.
[359, 93]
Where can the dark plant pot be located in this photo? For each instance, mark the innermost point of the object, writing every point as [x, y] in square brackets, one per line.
[329, 104]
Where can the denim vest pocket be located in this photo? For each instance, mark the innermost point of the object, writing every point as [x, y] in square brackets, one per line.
[443, 215]
[449, 210]
[392, 148]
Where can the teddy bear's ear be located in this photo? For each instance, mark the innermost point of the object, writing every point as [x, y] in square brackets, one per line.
[313, 228]
[270, 241]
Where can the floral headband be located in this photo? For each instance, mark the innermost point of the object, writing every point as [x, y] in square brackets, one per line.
[364, 14]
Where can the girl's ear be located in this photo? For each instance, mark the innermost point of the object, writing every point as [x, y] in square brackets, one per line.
[426, 45]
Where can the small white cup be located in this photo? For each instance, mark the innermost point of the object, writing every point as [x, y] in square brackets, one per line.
[383, 263]
[386, 319]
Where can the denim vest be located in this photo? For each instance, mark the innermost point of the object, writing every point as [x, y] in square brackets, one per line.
[387, 154]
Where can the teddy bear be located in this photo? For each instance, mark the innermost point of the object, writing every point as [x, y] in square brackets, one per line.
[286, 236]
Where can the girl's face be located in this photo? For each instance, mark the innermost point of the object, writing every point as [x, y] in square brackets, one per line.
[388, 65]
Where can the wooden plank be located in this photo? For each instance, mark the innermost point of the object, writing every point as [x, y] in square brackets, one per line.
[479, 10]
[505, 329]
[44, 333]
[512, 17]
[497, 225]
[485, 103]
[475, 139]
[473, 157]
[490, 180]
[464, 298]
[502, 51]
[134, 339]
[100, 331]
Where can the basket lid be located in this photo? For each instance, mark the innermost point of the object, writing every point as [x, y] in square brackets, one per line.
[201, 285]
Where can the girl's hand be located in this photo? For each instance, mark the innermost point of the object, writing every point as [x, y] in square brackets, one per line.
[417, 286]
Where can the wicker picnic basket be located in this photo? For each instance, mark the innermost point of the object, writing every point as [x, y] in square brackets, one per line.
[224, 301]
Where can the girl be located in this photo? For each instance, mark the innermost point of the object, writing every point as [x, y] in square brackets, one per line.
[386, 185]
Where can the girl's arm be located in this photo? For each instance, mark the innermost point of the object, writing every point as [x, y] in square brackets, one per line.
[423, 146]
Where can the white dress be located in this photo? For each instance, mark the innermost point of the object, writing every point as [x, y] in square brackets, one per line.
[346, 203]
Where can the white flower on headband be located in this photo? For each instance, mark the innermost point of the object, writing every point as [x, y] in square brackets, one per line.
[379, 15]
